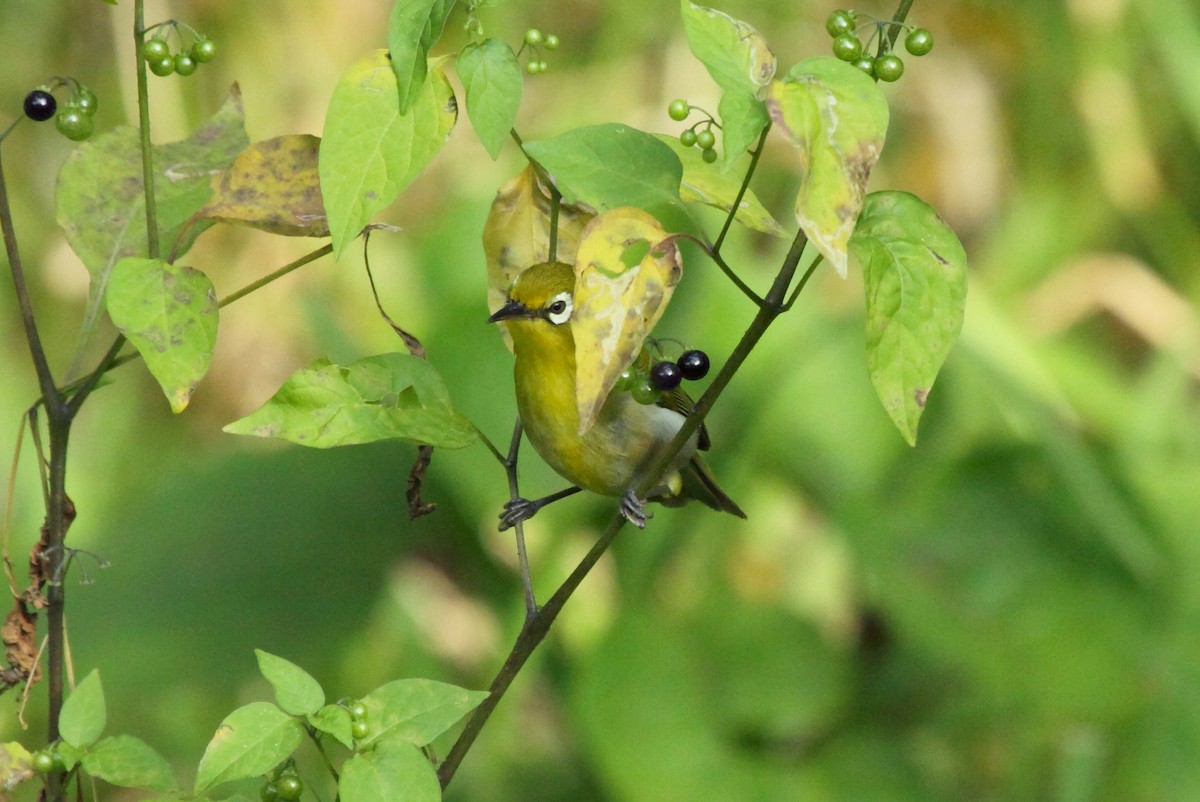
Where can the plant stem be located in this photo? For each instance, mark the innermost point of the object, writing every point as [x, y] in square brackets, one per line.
[538, 624]
[143, 93]
[737, 201]
[283, 271]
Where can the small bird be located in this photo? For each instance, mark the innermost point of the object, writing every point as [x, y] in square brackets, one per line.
[607, 457]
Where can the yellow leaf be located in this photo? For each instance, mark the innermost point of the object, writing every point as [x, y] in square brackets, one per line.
[517, 234]
[626, 269]
[272, 185]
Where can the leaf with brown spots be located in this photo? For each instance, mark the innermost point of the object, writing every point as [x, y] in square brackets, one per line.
[915, 276]
[837, 118]
[272, 186]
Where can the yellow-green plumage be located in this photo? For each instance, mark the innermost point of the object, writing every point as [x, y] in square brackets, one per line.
[606, 458]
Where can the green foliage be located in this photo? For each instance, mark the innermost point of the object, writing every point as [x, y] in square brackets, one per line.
[251, 741]
[738, 59]
[915, 272]
[169, 313]
[373, 147]
[611, 165]
[492, 79]
[416, 710]
[83, 714]
[105, 227]
[391, 771]
[413, 28]
[131, 763]
[296, 692]
[837, 119]
[385, 397]
[706, 183]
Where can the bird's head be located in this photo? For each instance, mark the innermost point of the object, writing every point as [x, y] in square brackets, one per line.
[539, 300]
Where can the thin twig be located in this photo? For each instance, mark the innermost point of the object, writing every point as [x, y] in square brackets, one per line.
[143, 95]
[743, 189]
[510, 469]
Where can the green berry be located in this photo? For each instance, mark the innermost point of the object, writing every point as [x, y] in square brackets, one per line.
[43, 762]
[626, 380]
[550, 42]
[204, 50]
[889, 68]
[838, 23]
[72, 123]
[918, 42]
[847, 47]
[706, 139]
[85, 100]
[709, 155]
[866, 64]
[533, 37]
[269, 792]
[40, 105]
[155, 49]
[646, 393]
[289, 787]
[679, 110]
[357, 711]
[163, 66]
[184, 64]
[360, 729]
[687, 138]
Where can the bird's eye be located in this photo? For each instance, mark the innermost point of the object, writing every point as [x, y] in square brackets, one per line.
[557, 308]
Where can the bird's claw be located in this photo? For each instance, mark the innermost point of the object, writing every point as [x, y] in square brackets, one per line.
[516, 511]
[633, 509]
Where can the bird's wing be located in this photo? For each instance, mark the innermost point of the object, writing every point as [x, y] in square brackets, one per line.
[678, 400]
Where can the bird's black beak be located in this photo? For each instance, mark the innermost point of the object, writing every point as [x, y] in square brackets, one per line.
[509, 311]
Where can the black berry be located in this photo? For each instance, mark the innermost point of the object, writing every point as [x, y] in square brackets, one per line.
[693, 365]
[40, 105]
[666, 375]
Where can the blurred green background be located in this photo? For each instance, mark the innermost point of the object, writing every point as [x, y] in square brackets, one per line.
[1009, 611]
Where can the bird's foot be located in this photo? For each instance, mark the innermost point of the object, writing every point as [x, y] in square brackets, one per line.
[633, 509]
[517, 511]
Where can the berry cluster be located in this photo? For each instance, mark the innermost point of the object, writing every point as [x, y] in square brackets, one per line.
[534, 41]
[184, 60]
[843, 26]
[699, 135]
[74, 118]
[647, 381]
[286, 787]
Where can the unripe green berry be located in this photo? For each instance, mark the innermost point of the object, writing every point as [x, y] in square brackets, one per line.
[838, 23]
[918, 42]
[357, 710]
[533, 37]
[847, 47]
[155, 49]
[687, 138]
[866, 64]
[550, 42]
[269, 792]
[889, 68]
[679, 110]
[360, 729]
[163, 66]
[43, 762]
[204, 50]
[706, 139]
[184, 64]
[646, 393]
[85, 100]
[289, 787]
[709, 155]
[72, 123]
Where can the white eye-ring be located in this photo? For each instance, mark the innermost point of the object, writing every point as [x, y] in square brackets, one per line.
[558, 311]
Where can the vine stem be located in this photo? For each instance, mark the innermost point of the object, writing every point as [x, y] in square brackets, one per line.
[537, 625]
[143, 93]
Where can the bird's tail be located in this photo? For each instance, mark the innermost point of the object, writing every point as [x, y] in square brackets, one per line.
[700, 484]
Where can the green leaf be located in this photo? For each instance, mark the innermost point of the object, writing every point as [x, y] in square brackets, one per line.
[295, 689]
[837, 118]
[392, 771]
[100, 201]
[15, 765]
[130, 763]
[708, 184]
[83, 713]
[743, 118]
[733, 52]
[272, 186]
[169, 313]
[334, 720]
[414, 27]
[611, 165]
[384, 397]
[738, 59]
[371, 150]
[251, 740]
[492, 79]
[915, 274]
[416, 710]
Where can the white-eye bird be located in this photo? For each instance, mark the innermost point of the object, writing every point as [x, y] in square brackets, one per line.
[607, 458]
